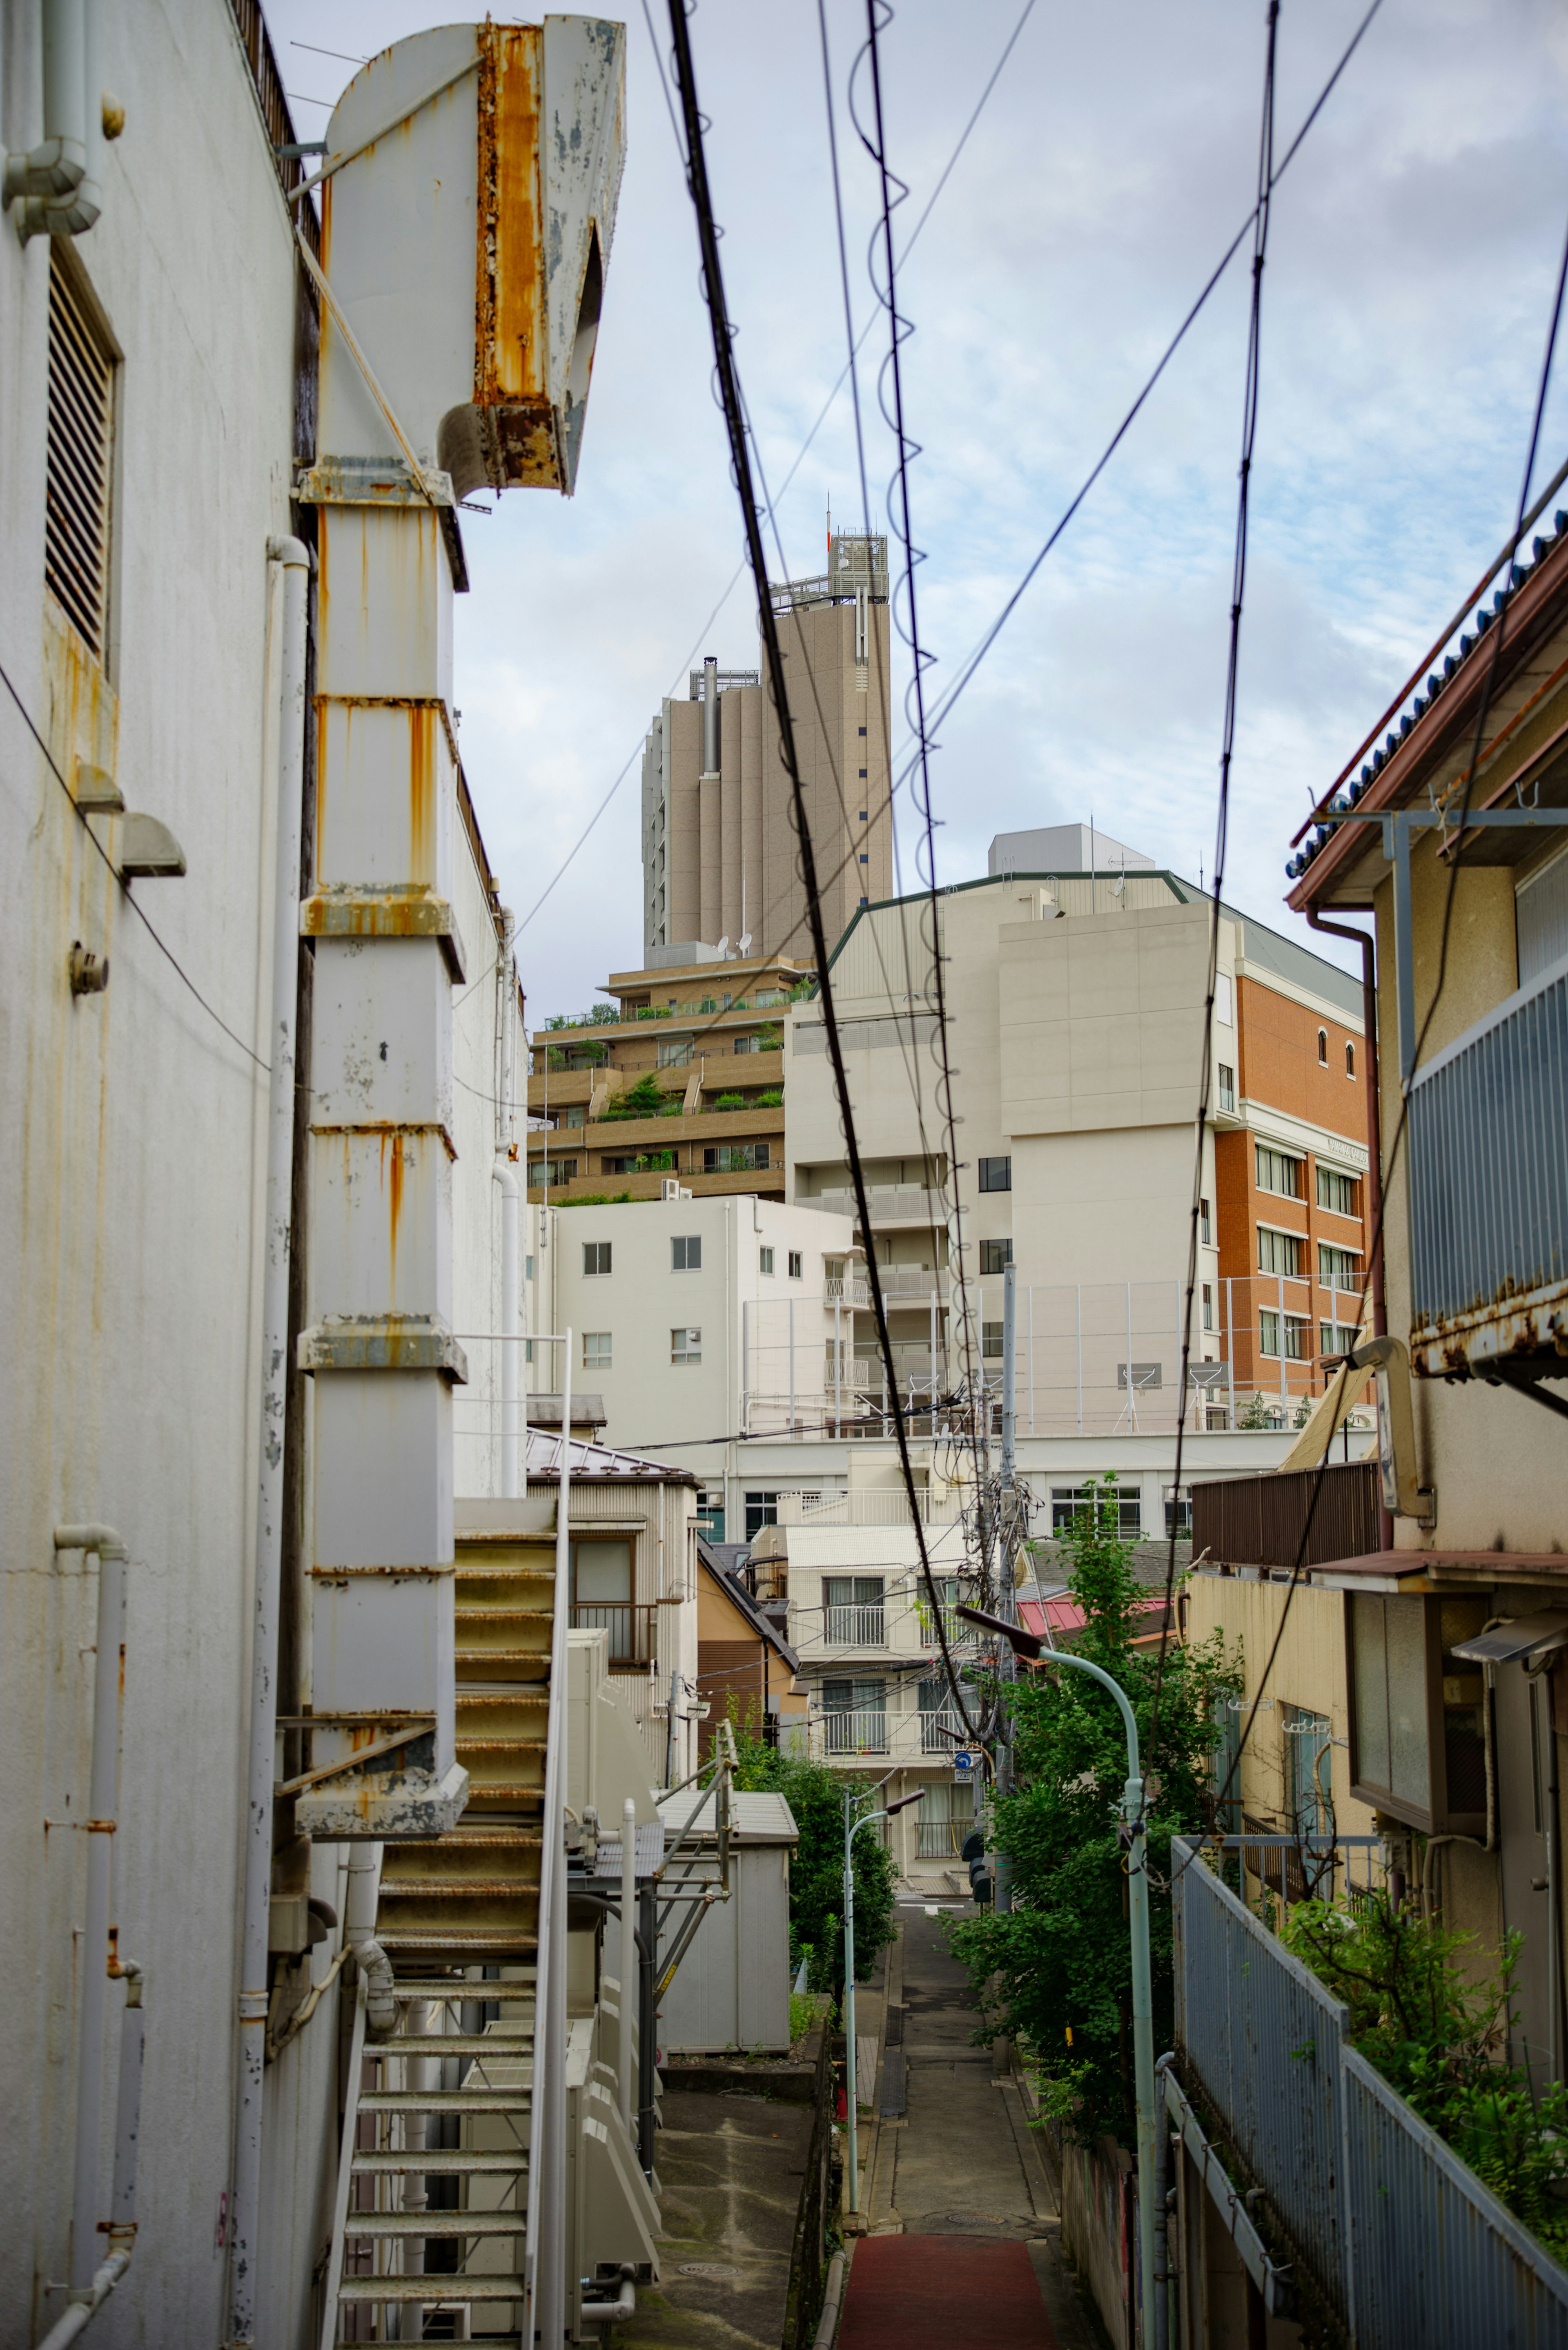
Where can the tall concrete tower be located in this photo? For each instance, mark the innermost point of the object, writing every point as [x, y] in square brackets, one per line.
[720, 859]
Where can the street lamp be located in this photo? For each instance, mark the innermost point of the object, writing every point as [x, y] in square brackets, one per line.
[1028, 1645]
[851, 1829]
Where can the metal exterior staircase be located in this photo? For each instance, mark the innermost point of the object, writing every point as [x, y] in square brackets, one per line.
[435, 2147]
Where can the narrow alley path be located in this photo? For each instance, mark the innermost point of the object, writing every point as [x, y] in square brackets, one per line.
[965, 2248]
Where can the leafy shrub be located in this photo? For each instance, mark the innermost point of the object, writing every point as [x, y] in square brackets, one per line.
[815, 1794]
[644, 1098]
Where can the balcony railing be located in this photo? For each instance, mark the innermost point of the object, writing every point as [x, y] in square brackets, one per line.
[1489, 1184]
[1399, 2237]
[857, 1627]
[940, 1734]
[1262, 1521]
[850, 1732]
[877, 1506]
[889, 1203]
[633, 1628]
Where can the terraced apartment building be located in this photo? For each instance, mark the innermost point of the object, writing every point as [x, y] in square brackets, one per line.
[677, 1077]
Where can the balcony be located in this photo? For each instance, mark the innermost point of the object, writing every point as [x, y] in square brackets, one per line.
[633, 1631]
[845, 1732]
[877, 1506]
[889, 1204]
[857, 1627]
[881, 1735]
[1488, 1186]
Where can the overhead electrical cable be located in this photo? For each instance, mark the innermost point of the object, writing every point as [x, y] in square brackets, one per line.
[730, 397]
[1262, 213]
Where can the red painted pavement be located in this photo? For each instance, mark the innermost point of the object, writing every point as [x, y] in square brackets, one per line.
[961, 2293]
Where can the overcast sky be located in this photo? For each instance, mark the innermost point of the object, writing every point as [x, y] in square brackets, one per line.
[1414, 249]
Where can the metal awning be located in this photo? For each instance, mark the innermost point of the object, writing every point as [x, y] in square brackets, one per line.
[1526, 1635]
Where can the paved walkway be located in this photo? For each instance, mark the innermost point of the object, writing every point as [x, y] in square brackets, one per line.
[965, 2242]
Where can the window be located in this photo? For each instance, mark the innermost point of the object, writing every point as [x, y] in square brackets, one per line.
[1323, 1046]
[765, 1261]
[865, 817]
[947, 1816]
[639, 1162]
[602, 1597]
[1278, 1172]
[1208, 1307]
[1416, 1741]
[674, 1052]
[78, 463]
[1296, 1329]
[596, 1350]
[1337, 1338]
[686, 1345]
[711, 1512]
[529, 1274]
[1067, 1501]
[1350, 1060]
[795, 1261]
[574, 1116]
[1178, 1512]
[996, 1174]
[686, 1252]
[864, 858]
[1309, 1771]
[596, 1258]
[854, 1717]
[762, 1510]
[863, 730]
[1336, 1192]
[1279, 1252]
[853, 1611]
[990, 1338]
[733, 1157]
[552, 1170]
[1337, 1268]
[995, 1256]
[1204, 1230]
[751, 1044]
[1228, 1089]
[1224, 1006]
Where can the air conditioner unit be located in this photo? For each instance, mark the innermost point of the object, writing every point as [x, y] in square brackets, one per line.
[670, 1188]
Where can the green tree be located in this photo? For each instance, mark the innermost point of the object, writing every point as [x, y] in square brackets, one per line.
[1059, 1964]
[644, 1098]
[815, 1794]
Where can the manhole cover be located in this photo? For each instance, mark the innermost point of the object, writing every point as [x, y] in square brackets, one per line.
[705, 2268]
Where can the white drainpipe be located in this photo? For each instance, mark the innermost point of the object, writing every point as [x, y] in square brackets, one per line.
[282, 1047]
[99, 1953]
[511, 1475]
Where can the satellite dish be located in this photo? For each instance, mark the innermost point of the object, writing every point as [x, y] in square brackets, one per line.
[724, 946]
[744, 942]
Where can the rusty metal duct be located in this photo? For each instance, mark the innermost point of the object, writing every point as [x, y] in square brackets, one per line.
[469, 200]
[466, 247]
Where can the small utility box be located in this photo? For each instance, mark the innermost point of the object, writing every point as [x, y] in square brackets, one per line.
[732, 1988]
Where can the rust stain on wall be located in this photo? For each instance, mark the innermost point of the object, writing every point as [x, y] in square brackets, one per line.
[421, 794]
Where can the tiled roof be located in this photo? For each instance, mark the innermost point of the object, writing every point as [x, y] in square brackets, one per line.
[597, 1461]
[1437, 684]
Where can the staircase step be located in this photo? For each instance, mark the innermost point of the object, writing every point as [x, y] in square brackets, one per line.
[449, 1888]
[408, 1986]
[436, 2290]
[436, 2223]
[442, 2162]
[446, 2101]
[452, 2043]
[487, 1614]
[504, 1657]
[502, 1945]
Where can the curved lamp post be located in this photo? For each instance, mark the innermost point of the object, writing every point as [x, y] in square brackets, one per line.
[851, 1829]
[1027, 1645]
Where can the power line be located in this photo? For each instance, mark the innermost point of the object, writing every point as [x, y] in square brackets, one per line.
[167, 952]
[1221, 826]
[729, 389]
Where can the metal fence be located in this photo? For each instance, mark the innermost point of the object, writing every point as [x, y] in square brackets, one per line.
[1258, 1520]
[1400, 2237]
[1489, 1170]
[1265, 2041]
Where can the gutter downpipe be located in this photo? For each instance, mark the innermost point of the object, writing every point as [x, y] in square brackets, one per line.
[123, 2203]
[99, 1936]
[1367, 942]
[283, 1041]
[57, 186]
[506, 1176]
[546, 2238]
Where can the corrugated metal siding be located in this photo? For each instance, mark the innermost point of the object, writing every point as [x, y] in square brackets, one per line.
[1437, 2258]
[1258, 1521]
[1489, 1161]
[1264, 2039]
[1543, 919]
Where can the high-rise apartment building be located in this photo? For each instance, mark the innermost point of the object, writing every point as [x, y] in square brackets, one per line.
[720, 859]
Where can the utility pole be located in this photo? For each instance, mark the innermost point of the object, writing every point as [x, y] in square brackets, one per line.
[1007, 1604]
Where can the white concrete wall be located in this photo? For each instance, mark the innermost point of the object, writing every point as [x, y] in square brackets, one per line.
[130, 1164]
[654, 1405]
